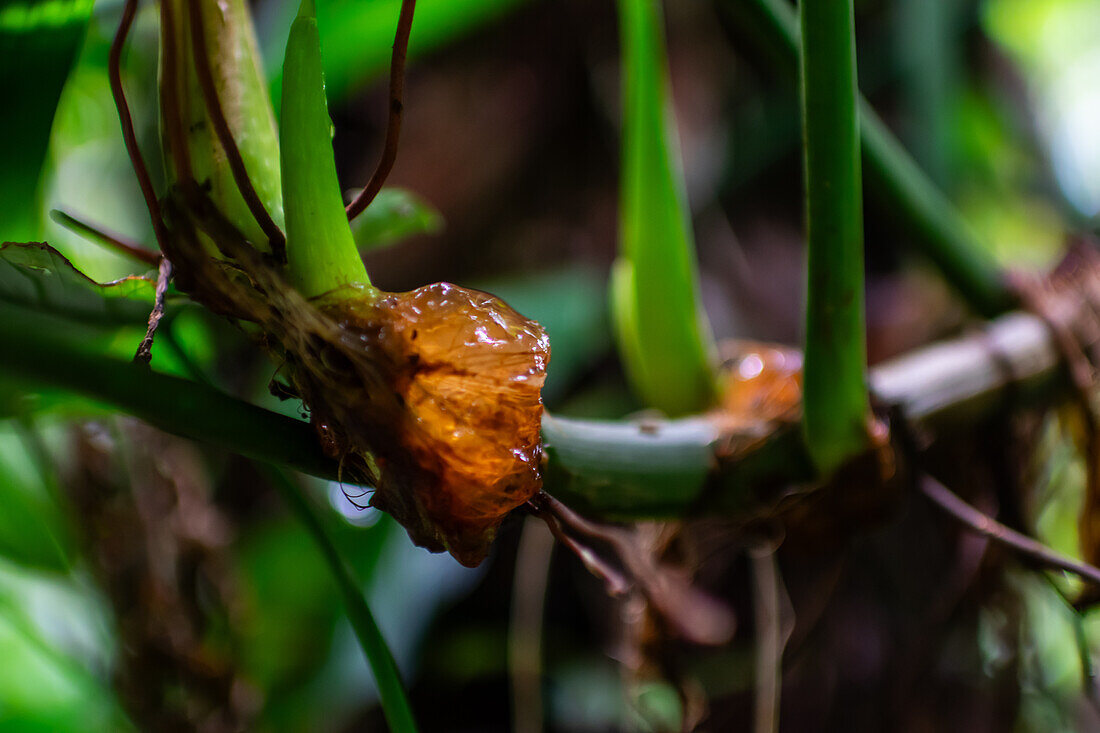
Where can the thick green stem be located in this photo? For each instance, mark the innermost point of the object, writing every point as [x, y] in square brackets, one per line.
[893, 179]
[835, 405]
[632, 470]
[320, 248]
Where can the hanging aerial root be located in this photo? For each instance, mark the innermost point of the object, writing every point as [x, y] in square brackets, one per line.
[396, 108]
[108, 239]
[692, 614]
[129, 137]
[1029, 549]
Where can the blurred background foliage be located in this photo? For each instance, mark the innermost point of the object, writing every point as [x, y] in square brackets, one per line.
[507, 180]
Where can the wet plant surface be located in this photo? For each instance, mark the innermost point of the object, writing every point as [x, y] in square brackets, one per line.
[680, 538]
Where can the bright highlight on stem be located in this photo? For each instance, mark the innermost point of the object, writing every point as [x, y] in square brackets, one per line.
[321, 251]
[835, 402]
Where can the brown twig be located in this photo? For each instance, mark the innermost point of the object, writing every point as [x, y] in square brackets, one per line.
[695, 616]
[107, 239]
[145, 350]
[129, 137]
[393, 127]
[770, 604]
[205, 74]
[613, 579]
[536, 547]
[1021, 544]
[1074, 278]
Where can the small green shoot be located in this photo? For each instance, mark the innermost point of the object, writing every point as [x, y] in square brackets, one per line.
[664, 338]
[320, 248]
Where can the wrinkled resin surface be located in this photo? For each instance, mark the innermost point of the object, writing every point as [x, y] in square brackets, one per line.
[444, 408]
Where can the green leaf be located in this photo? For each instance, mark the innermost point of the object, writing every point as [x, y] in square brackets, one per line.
[835, 405]
[39, 40]
[32, 527]
[38, 276]
[358, 36]
[42, 688]
[393, 216]
[664, 338]
[320, 247]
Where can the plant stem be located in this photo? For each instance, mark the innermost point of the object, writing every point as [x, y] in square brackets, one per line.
[666, 344]
[835, 406]
[893, 178]
[636, 469]
[320, 248]
[391, 692]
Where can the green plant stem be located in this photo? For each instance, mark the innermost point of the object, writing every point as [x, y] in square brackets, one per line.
[666, 343]
[630, 470]
[893, 179]
[391, 691]
[835, 406]
[35, 351]
[321, 251]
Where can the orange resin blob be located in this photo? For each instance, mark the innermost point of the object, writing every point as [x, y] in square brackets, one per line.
[763, 390]
[448, 415]
[765, 382]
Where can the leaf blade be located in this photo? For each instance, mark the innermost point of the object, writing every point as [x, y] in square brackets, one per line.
[39, 41]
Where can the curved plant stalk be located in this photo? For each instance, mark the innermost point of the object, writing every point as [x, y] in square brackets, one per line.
[835, 406]
[320, 248]
[893, 178]
[664, 338]
[391, 691]
[627, 470]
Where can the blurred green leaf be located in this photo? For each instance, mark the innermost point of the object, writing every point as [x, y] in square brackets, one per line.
[391, 690]
[36, 275]
[88, 172]
[32, 526]
[358, 36]
[394, 215]
[42, 689]
[664, 338]
[39, 40]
